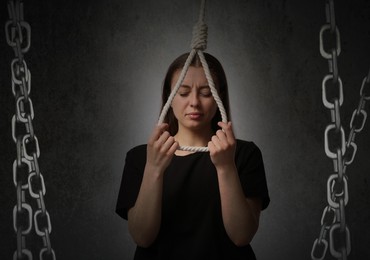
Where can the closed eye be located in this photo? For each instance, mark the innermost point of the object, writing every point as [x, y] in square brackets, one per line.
[205, 92]
[184, 93]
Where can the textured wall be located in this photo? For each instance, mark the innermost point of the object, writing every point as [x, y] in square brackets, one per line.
[97, 70]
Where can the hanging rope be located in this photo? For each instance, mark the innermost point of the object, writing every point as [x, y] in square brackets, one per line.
[27, 177]
[333, 220]
[198, 45]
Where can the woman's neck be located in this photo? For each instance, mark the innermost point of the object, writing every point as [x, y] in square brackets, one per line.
[186, 137]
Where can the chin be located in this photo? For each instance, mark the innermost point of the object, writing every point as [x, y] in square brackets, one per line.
[197, 125]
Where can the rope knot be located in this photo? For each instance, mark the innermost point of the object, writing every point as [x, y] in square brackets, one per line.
[199, 41]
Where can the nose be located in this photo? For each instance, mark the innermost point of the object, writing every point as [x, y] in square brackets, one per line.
[194, 99]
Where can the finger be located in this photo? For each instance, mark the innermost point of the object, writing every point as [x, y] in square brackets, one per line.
[157, 132]
[167, 144]
[173, 147]
[216, 142]
[162, 138]
[224, 126]
[222, 136]
[228, 130]
[211, 147]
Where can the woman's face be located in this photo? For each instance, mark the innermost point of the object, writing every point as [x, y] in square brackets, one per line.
[193, 105]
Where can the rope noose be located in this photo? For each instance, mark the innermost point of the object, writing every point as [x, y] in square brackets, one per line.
[198, 45]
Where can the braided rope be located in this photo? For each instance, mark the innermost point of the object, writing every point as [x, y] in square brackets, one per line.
[198, 45]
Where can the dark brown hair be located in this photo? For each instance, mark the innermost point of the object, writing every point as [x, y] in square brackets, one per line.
[219, 79]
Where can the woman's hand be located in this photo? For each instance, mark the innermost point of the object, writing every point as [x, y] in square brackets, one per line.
[144, 218]
[222, 146]
[240, 215]
[161, 148]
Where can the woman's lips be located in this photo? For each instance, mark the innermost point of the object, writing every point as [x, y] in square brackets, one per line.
[194, 115]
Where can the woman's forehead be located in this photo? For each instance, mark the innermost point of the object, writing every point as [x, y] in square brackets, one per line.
[193, 75]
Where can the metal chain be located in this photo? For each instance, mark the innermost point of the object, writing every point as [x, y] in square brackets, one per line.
[333, 219]
[28, 180]
[358, 120]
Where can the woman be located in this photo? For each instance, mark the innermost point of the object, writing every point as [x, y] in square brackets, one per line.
[183, 205]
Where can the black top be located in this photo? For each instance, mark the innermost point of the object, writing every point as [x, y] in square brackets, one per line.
[192, 226]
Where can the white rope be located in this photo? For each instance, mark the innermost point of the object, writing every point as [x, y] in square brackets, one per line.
[198, 45]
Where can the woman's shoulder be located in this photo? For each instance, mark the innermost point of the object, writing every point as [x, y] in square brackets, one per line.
[243, 144]
[138, 151]
[247, 149]
[136, 156]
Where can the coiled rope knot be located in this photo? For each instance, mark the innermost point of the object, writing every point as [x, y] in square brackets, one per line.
[199, 40]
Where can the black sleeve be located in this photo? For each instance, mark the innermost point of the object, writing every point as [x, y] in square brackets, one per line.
[252, 172]
[131, 180]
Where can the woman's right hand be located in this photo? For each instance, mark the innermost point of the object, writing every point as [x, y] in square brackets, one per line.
[144, 218]
[161, 148]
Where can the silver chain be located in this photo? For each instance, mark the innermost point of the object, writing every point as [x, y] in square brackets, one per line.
[28, 180]
[333, 220]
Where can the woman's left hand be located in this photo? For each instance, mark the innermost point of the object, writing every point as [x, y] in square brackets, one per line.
[222, 146]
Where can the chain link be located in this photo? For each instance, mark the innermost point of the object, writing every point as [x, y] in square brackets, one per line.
[27, 177]
[344, 152]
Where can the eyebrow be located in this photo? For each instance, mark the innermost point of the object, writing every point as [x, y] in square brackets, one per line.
[200, 87]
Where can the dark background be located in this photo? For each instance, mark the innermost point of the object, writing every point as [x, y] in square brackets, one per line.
[97, 69]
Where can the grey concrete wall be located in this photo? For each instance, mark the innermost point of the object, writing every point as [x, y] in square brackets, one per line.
[97, 69]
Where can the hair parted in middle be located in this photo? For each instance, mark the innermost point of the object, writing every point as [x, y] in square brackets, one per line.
[219, 78]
